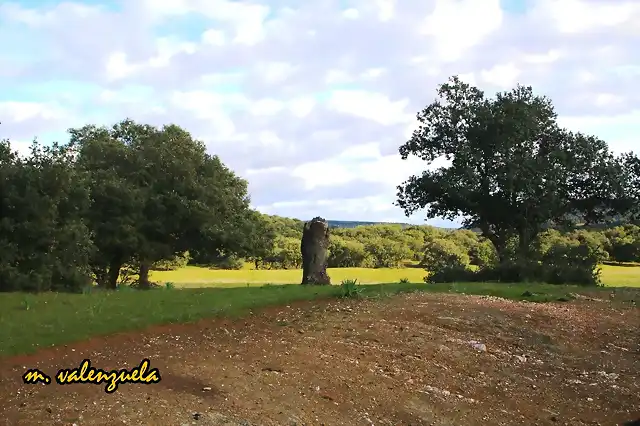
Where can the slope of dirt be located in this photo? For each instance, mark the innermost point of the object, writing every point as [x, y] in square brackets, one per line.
[407, 360]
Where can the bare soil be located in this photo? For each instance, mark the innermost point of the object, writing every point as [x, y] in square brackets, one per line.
[405, 360]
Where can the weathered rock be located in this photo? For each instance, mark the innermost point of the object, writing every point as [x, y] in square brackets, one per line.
[314, 247]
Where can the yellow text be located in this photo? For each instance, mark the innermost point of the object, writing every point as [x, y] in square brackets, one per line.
[88, 374]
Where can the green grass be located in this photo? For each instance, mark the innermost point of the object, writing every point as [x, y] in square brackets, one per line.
[193, 276]
[54, 318]
[621, 276]
[29, 322]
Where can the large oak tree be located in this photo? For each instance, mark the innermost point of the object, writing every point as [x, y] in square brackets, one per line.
[511, 170]
[157, 193]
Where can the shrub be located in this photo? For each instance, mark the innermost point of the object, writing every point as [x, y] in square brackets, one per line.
[483, 253]
[176, 262]
[564, 262]
[386, 253]
[623, 243]
[572, 263]
[450, 274]
[347, 254]
[229, 262]
[350, 289]
[440, 253]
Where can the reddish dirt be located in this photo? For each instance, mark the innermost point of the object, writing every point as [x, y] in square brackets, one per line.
[406, 360]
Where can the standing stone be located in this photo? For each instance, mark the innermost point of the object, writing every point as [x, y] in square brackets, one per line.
[314, 247]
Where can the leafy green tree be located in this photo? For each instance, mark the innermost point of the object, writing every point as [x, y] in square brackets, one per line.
[173, 196]
[545, 240]
[415, 242]
[630, 173]
[441, 252]
[117, 198]
[510, 169]
[623, 243]
[287, 253]
[571, 261]
[44, 243]
[595, 242]
[483, 253]
[344, 253]
[176, 262]
[386, 253]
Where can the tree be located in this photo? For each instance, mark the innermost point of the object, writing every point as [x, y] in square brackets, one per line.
[623, 243]
[346, 253]
[156, 194]
[510, 168]
[385, 252]
[44, 243]
[630, 172]
[117, 197]
[440, 253]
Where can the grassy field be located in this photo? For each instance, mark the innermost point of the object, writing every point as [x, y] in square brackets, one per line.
[192, 276]
[54, 318]
[621, 276]
[58, 318]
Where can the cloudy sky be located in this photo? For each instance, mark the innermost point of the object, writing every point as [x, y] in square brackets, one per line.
[310, 100]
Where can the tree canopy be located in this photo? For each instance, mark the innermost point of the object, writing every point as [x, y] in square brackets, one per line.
[511, 169]
[132, 194]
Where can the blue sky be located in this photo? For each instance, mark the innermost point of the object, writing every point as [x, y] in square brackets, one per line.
[310, 100]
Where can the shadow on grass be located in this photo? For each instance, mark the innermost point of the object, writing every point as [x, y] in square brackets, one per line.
[29, 322]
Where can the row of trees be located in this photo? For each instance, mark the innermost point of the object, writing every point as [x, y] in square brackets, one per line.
[129, 195]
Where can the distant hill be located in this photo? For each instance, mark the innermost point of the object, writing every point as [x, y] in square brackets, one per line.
[354, 223]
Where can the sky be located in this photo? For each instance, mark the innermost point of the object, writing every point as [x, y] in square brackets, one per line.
[310, 100]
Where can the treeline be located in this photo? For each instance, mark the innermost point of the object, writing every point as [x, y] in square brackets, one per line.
[396, 246]
[115, 201]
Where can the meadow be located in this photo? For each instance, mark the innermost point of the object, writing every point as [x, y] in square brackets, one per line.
[627, 275]
[59, 318]
[193, 293]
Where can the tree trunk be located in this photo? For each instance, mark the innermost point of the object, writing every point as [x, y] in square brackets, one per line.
[101, 276]
[114, 274]
[143, 277]
[314, 247]
[498, 242]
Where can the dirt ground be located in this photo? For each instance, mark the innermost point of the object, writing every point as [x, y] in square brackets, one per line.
[406, 360]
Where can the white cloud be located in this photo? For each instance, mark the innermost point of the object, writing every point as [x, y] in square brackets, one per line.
[351, 13]
[214, 37]
[17, 111]
[117, 66]
[580, 16]
[372, 106]
[503, 76]
[311, 100]
[545, 58]
[386, 9]
[266, 107]
[275, 72]
[335, 76]
[459, 26]
[301, 107]
[608, 99]
[373, 73]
